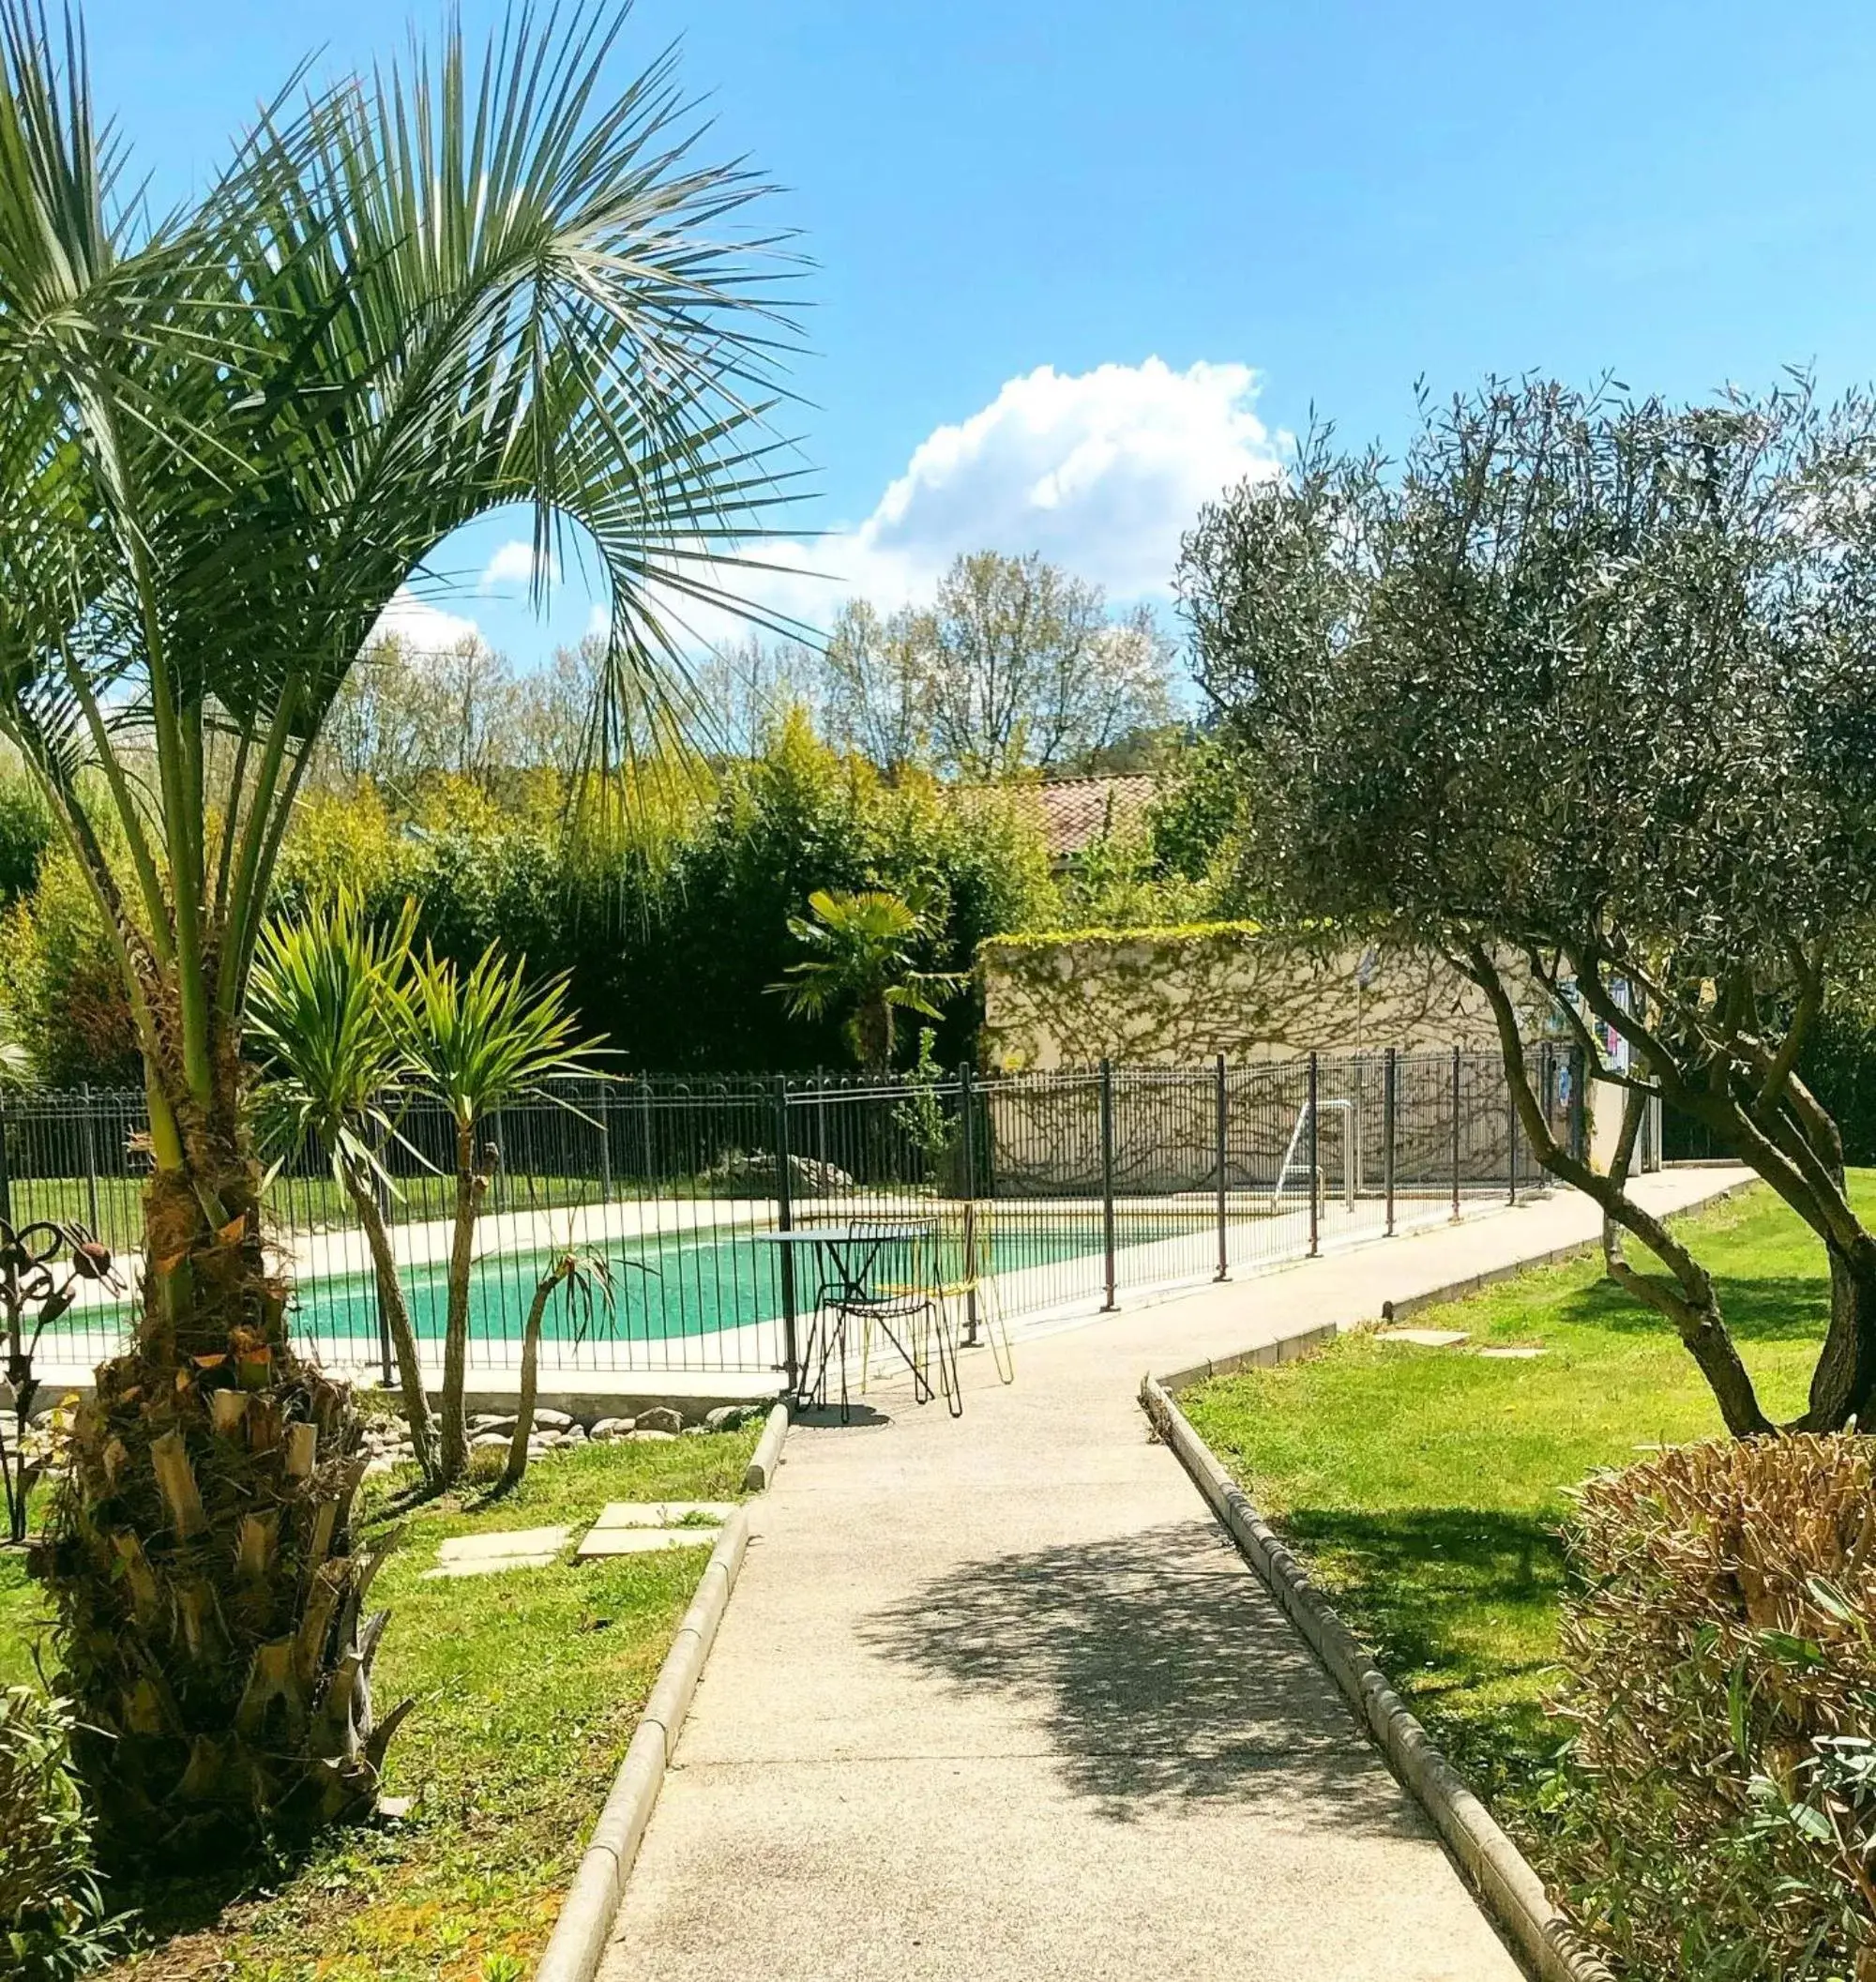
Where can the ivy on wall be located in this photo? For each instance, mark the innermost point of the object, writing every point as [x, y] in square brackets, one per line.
[1177, 995]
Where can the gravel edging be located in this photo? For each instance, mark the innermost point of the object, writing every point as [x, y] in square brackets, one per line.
[1497, 1869]
[592, 1903]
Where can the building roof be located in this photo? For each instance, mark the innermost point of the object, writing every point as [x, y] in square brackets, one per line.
[1076, 812]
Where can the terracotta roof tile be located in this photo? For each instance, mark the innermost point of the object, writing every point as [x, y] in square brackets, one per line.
[1077, 810]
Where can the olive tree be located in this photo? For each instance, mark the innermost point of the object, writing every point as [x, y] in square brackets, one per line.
[1584, 687]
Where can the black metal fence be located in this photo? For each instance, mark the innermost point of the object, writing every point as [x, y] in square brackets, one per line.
[1080, 1186]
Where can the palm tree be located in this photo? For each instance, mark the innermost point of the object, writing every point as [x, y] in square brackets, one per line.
[16, 1063]
[864, 944]
[480, 1041]
[230, 436]
[326, 1006]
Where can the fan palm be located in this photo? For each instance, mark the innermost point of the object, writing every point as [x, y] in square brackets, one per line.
[230, 436]
[327, 1009]
[16, 1063]
[481, 1041]
[864, 947]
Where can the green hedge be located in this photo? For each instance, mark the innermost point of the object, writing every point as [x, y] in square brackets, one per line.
[672, 941]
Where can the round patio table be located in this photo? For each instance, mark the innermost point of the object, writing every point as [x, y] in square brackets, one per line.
[846, 1260]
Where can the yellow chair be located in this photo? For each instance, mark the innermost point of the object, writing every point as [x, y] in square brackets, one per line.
[975, 1283]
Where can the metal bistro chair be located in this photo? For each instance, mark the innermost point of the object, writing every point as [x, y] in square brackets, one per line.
[975, 1283]
[908, 1308]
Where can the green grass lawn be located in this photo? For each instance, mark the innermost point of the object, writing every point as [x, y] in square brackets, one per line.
[529, 1685]
[1425, 1487]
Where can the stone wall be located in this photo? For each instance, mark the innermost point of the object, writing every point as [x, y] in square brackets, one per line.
[1180, 996]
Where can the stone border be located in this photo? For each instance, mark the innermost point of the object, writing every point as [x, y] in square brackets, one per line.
[760, 1472]
[1497, 1868]
[579, 1935]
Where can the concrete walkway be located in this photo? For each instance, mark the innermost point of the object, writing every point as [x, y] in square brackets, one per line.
[996, 1698]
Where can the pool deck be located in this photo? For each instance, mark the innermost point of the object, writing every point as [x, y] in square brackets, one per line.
[996, 1698]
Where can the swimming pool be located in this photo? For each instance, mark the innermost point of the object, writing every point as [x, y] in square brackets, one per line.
[702, 1282]
[665, 1287]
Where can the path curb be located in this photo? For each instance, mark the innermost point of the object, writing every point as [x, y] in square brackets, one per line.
[1497, 1869]
[1577, 1249]
[759, 1474]
[592, 1903]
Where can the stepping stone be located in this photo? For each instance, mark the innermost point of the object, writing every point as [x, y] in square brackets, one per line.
[1510, 1356]
[603, 1542]
[485, 1554]
[664, 1513]
[1424, 1338]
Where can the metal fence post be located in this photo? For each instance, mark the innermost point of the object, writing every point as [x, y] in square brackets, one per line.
[381, 1189]
[604, 1099]
[1456, 1135]
[1108, 1179]
[1315, 1176]
[785, 1219]
[1511, 1135]
[6, 1171]
[1224, 1145]
[90, 1158]
[1390, 1074]
[967, 1109]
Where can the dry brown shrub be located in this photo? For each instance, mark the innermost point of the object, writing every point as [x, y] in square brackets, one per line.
[1718, 1819]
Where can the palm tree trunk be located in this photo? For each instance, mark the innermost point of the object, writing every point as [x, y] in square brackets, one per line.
[209, 1589]
[472, 1185]
[397, 1317]
[518, 1445]
[872, 1025]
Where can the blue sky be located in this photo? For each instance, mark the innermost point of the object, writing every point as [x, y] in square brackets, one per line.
[1079, 264]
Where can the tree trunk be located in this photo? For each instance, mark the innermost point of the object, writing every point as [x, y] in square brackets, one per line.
[210, 1593]
[472, 1185]
[518, 1445]
[872, 1034]
[397, 1318]
[1845, 1375]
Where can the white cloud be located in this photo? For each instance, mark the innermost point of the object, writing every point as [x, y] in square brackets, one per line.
[1101, 471]
[419, 625]
[514, 565]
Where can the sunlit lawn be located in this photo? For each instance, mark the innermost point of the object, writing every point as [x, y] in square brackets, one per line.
[1425, 1487]
[529, 1685]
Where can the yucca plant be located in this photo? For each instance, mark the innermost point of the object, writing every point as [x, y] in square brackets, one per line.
[230, 435]
[863, 946]
[481, 1040]
[582, 1280]
[328, 1010]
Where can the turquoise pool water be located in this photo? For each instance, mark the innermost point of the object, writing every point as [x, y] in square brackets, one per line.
[663, 1288]
[671, 1286]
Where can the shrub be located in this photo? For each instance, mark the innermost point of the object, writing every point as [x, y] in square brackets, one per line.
[671, 939]
[60, 976]
[52, 1914]
[1717, 1814]
[26, 833]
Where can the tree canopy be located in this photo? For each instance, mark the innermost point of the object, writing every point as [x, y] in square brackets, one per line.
[1585, 686]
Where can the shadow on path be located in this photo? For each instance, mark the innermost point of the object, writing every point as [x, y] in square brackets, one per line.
[1161, 1669]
